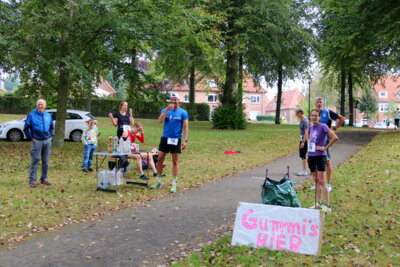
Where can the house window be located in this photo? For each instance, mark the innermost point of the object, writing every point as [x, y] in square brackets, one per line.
[382, 94]
[383, 107]
[255, 99]
[212, 98]
[186, 98]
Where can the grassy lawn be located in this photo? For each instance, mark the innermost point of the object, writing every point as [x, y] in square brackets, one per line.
[363, 230]
[72, 197]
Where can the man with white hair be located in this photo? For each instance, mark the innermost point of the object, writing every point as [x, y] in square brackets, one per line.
[40, 129]
[175, 119]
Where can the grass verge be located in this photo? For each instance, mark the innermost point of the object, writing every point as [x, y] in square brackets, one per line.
[363, 229]
[72, 197]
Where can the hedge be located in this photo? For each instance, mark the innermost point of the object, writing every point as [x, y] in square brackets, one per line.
[265, 117]
[99, 107]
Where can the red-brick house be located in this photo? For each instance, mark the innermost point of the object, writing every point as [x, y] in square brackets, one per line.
[290, 101]
[206, 91]
[104, 89]
[387, 91]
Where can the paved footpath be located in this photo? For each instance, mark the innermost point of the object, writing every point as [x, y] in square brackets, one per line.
[134, 237]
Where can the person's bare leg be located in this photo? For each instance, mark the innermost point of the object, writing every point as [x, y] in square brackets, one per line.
[161, 157]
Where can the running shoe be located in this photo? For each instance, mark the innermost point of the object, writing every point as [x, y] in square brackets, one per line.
[317, 206]
[156, 186]
[326, 208]
[173, 189]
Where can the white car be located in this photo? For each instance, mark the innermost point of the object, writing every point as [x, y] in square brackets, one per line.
[75, 124]
[382, 125]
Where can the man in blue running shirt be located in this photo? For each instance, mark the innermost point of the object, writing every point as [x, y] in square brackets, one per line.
[327, 116]
[175, 119]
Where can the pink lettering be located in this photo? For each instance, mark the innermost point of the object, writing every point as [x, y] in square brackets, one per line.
[261, 240]
[280, 242]
[314, 230]
[263, 227]
[244, 222]
[294, 244]
[272, 240]
[303, 229]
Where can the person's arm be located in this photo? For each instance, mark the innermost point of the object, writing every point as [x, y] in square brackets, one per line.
[185, 133]
[140, 137]
[332, 139]
[305, 138]
[336, 117]
[27, 127]
[131, 119]
[113, 120]
[162, 116]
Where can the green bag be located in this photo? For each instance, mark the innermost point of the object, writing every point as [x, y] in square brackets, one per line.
[279, 193]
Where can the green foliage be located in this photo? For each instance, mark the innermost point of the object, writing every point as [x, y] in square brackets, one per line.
[16, 105]
[265, 117]
[368, 105]
[201, 111]
[229, 117]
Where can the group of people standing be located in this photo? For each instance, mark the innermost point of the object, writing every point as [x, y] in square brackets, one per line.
[40, 129]
[316, 137]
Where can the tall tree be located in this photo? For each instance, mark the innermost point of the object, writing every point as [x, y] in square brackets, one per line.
[58, 48]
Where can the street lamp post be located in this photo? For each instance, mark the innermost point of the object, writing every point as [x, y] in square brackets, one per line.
[309, 97]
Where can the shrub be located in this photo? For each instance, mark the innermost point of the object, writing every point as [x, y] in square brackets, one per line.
[265, 117]
[229, 117]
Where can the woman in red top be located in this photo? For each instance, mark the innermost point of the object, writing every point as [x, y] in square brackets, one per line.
[137, 132]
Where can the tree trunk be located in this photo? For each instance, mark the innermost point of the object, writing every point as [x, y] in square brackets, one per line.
[232, 65]
[192, 86]
[133, 77]
[343, 92]
[351, 100]
[62, 94]
[240, 82]
[279, 96]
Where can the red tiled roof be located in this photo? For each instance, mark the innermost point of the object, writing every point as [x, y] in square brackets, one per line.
[290, 100]
[106, 86]
[249, 86]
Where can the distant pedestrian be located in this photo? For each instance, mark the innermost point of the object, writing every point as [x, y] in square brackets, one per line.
[396, 118]
[40, 129]
[122, 118]
[317, 150]
[388, 122]
[175, 119]
[304, 122]
[326, 117]
[89, 140]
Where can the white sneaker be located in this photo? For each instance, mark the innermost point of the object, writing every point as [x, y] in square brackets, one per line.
[302, 173]
[312, 187]
[329, 187]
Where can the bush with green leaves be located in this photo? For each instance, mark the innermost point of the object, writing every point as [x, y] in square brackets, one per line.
[229, 117]
[265, 117]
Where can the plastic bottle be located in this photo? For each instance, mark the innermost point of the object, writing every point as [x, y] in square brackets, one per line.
[99, 179]
[115, 150]
[112, 177]
[106, 178]
[119, 177]
[110, 144]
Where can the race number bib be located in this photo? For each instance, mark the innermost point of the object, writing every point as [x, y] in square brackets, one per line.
[311, 147]
[172, 141]
[126, 128]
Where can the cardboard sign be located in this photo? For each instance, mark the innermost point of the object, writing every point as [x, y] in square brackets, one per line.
[278, 228]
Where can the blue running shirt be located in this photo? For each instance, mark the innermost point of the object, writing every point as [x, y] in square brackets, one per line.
[173, 123]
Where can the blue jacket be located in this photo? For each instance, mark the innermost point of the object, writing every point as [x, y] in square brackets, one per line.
[39, 126]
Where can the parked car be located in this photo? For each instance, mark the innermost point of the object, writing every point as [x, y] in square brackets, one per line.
[382, 125]
[75, 124]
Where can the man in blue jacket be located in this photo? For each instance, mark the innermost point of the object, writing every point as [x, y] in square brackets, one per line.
[40, 129]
